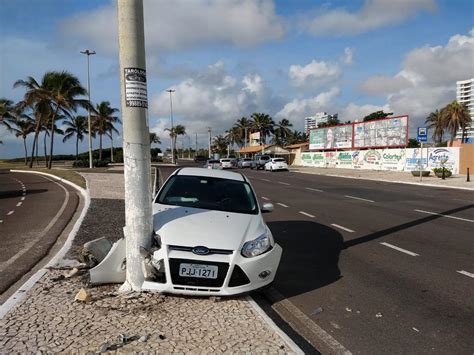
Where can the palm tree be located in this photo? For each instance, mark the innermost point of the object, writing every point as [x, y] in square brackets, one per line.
[36, 99]
[24, 126]
[154, 139]
[103, 122]
[233, 136]
[455, 116]
[63, 88]
[263, 123]
[178, 130]
[282, 131]
[434, 120]
[243, 125]
[76, 126]
[6, 111]
[296, 137]
[219, 144]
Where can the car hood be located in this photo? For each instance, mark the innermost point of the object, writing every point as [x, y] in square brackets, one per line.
[186, 226]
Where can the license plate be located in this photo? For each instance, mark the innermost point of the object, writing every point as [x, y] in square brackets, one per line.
[198, 270]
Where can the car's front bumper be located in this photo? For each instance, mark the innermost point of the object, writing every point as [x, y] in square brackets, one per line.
[230, 278]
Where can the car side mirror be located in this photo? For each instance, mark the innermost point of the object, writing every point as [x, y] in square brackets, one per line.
[267, 207]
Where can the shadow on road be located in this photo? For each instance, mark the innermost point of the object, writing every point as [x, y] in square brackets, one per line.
[310, 256]
[19, 193]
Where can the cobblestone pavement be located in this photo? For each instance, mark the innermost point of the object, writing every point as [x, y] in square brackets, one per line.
[49, 320]
[394, 176]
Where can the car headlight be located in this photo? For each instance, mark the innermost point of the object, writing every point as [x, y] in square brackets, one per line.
[257, 246]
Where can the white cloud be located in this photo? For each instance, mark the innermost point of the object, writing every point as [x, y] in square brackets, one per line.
[180, 24]
[348, 55]
[313, 74]
[428, 78]
[211, 98]
[297, 109]
[373, 14]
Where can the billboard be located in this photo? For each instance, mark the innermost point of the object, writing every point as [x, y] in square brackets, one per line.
[335, 137]
[388, 132]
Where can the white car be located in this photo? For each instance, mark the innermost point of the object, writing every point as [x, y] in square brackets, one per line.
[226, 163]
[275, 164]
[213, 240]
[246, 163]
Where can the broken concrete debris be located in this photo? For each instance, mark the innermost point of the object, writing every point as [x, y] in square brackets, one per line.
[82, 296]
[95, 251]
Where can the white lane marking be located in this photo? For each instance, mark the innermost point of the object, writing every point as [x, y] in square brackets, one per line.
[445, 215]
[399, 249]
[283, 183]
[343, 228]
[265, 180]
[311, 189]
[282, 204]
[458, 199]
[26, 248]
[359, 198]
[265, 198]
[10, 213]
[24, 194]
[23, 198]
[306, 214]
[1, 221]
[466, 273]
[19, 204]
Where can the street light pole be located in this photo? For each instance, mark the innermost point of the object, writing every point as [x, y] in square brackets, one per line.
[173, 138]
[89, 53]
[138, 228]
[209, 131]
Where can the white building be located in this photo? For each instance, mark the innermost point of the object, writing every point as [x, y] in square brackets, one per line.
[313, 121]
[465, 95]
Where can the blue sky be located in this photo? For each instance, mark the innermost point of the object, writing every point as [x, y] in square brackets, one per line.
[229, 58]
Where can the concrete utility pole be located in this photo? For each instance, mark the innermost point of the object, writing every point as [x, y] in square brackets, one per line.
[196, 144]
[209, 131]
[88, 53]
[173, 138]
[136, 140]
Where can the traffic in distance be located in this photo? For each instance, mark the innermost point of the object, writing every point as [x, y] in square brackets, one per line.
[261, 162]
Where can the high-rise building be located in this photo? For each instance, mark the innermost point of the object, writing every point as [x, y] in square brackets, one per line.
[465, 96]
[313, 121]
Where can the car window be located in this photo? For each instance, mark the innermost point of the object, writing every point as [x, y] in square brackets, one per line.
[209, 193]
[225, 160]
[279, 159]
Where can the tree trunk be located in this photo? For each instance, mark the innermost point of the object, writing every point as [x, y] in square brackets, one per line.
[26, 152]
[111, 148]
[100, 146]
[77, 147]
[37, 152]
[45, 150]
[53, 119]
[34, 142]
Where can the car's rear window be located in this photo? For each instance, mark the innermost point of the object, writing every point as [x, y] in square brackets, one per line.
[213, 161]
[279, 160]
[225, 160]
[208, 193]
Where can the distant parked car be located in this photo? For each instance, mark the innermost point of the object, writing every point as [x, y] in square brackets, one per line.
[226, 163]
[199, 159]
[261, 160]
[276, 164]
[212, 164]
[246, 163]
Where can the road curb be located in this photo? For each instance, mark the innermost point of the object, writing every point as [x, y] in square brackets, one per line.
[20, 294]
[385, 180]
[303, 325]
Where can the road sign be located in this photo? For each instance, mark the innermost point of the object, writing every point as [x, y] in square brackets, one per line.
[422, 135]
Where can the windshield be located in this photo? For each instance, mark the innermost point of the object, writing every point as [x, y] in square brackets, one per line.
[209, 193]
[279, 159]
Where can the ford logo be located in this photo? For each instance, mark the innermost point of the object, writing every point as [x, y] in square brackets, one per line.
[200, 250]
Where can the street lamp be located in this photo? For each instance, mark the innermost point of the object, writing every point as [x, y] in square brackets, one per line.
[89, 53]
[209, 131]
[172, 133]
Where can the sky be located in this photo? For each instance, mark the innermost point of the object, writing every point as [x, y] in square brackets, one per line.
[229, 58]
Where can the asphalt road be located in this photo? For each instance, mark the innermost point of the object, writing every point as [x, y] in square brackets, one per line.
[34, 210]
[381, 267]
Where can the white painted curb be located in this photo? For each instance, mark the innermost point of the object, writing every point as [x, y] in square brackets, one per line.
[20, 294]
[295, 348]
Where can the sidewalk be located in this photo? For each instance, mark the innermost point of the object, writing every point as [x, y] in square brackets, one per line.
[455, 181]
[50, 320]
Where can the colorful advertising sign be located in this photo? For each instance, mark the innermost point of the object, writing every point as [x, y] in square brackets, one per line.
[393, 159]
[388, 132]
[336, 137]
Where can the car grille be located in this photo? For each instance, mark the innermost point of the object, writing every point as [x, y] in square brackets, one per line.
[195, 281]
[190, 249]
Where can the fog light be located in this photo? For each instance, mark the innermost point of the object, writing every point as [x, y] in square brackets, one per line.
[264, 274]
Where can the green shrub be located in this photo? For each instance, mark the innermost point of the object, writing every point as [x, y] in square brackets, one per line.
[440, 170]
